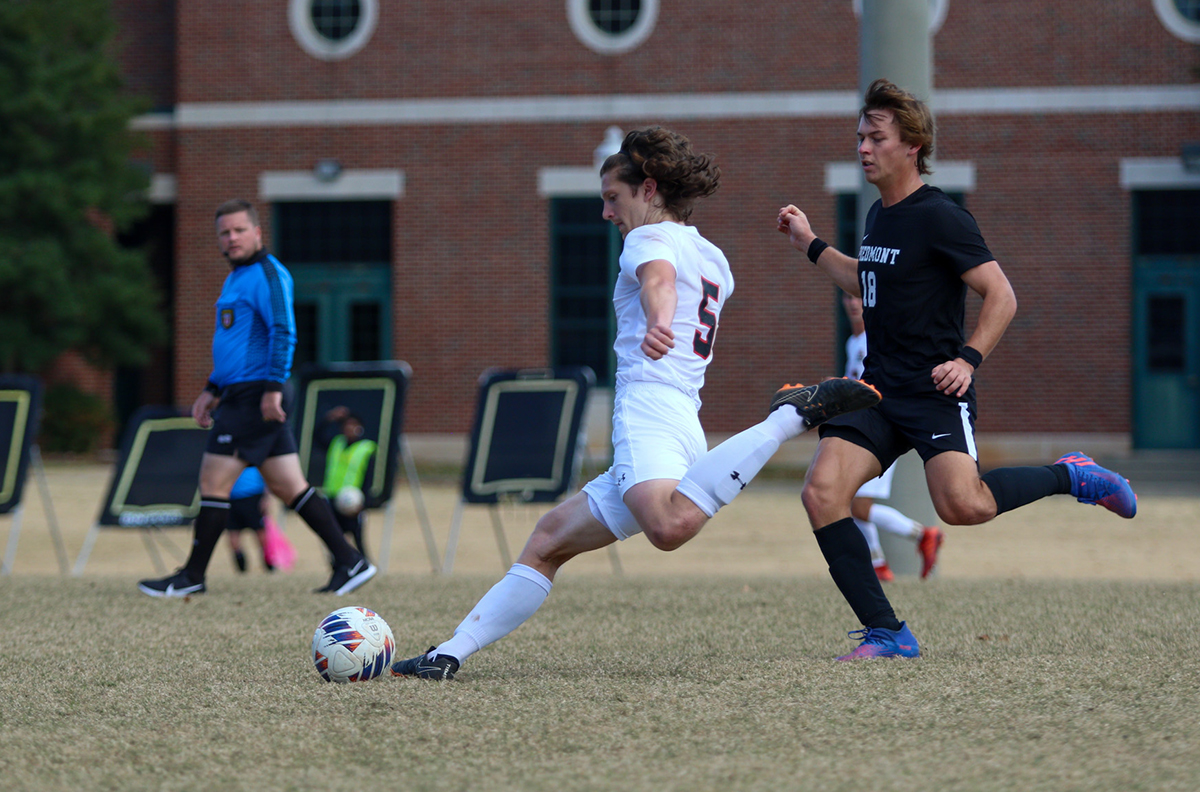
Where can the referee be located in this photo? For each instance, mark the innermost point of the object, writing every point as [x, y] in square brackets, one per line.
[919, 254]
[243, 405]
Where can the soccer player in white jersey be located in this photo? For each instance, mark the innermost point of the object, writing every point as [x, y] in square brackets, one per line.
[868, 515]
[672, 286]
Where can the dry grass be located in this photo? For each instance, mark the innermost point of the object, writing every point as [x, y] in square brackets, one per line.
[708, 668]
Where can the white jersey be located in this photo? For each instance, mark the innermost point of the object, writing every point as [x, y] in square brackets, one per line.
[856, 353]
[703, 283]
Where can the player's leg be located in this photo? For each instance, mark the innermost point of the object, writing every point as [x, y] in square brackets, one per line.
[878, 560]
[564, 532]
[721, 474]
[838, 469]
[285, 479]
[1073, 474]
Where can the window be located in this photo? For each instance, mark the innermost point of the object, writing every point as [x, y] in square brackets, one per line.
[340, 257]
[584, 250]
[1165, 222]
[610, 27]
[332, 29]
[1181, 17]
[333, 232]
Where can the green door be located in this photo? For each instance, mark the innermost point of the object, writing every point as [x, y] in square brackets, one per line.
[1166, 352]
[343, 312]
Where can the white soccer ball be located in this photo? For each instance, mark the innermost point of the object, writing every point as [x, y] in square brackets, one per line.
[352, 645]
[349, 501]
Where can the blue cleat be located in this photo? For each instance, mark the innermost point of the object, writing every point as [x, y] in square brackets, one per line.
[881, 642]
[1093, 484]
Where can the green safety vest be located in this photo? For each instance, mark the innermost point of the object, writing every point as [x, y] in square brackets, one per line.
[346, 465]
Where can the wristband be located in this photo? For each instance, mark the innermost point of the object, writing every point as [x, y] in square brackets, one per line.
[815, 249]
[212, 388]
[971, 355]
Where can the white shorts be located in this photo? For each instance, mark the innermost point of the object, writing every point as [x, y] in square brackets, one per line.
[656, 435]
[880, 487]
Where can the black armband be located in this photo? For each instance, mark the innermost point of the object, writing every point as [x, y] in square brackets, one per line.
[816, 248]
[971, 355]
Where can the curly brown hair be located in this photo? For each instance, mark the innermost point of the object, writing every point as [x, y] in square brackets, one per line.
[667, 157]
[912, 117]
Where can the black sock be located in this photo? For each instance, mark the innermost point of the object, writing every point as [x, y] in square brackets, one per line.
[1014, 487]
[314, 509]
[849, 558]
[210, 524]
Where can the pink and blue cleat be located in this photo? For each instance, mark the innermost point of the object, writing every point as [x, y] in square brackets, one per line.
[1091, 483]
[882, 642]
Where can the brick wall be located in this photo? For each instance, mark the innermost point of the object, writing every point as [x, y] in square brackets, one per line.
[471, 233]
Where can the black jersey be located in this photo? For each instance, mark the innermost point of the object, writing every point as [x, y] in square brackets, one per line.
[910, 268]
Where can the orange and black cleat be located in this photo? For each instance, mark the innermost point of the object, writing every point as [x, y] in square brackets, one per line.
[829, 399]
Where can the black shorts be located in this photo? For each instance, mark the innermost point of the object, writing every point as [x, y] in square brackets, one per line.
[239, 429]
[930, 423]
[246, 513]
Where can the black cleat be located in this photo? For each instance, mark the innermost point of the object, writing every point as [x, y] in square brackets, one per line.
[829, 399]
[347, 578]
[440, 667]
[178, 585]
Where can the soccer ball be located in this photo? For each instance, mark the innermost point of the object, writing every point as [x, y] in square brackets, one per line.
[348, 501]
[352, 645]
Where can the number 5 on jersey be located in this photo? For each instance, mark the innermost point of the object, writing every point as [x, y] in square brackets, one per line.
[702, 344]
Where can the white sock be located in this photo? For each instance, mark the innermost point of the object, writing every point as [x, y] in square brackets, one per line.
[717, 477]
[871, 534]
[505, 607]
[893, 521]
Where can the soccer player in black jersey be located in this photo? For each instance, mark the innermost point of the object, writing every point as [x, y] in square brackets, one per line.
[920, 252]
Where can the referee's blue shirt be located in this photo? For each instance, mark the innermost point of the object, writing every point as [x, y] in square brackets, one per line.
[256, 324]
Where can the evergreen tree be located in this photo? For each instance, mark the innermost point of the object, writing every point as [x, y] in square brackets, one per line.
[67, 184]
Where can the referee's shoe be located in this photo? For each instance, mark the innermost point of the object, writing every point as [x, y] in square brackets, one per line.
[829, 399]
[347, 578]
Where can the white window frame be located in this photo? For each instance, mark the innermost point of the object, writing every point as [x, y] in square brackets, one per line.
[950, 176]
[351, 185]
[580, 18]
[312, 42]
[1180, 26]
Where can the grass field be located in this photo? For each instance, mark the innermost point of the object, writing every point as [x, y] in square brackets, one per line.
[1060, 653]
[618, 683]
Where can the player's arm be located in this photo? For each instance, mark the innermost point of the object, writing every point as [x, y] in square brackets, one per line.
[999, 307]
[839, 266]
[658, 298]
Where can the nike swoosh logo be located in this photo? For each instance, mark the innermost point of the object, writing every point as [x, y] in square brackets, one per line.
[939, 436]
[171, 590]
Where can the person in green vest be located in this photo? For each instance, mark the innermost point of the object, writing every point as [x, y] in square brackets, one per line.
[346, 459]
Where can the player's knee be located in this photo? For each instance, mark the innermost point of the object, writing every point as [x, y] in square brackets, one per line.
[964, 511]
[673, 533]
[819, 500]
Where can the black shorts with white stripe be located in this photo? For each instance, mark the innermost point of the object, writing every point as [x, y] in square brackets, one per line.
[931, 423]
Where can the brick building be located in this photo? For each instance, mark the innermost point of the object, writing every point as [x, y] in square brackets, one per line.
[426, 171]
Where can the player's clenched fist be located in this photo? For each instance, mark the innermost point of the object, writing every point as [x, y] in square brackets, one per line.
[658, 341]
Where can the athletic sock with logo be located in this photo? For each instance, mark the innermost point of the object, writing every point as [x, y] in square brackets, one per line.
[719, 476]
[894, 521]
[1013, 487]
[210, 524]
[849, 560]
[315, 509]
[506, 606]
